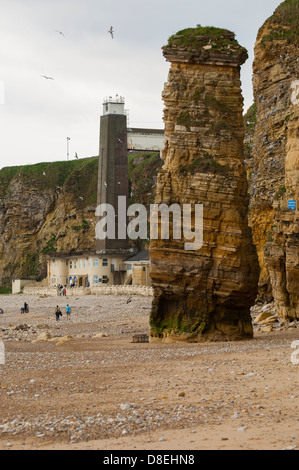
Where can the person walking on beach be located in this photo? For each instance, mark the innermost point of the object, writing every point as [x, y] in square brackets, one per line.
[57, 313]
[68, 312]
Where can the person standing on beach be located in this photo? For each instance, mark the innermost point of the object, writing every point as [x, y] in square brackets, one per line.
[57, 313]
[68, 312]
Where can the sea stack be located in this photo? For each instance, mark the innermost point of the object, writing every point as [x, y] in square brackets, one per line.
[204, 295]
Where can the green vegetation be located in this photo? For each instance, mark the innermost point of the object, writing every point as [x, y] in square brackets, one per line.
[84, 226]
[212, 102]
[280, 193]
[250, 118]
[50, 245]
[50, 175]
[204, 164]
[5, 290]
[30, 267]
[192, 37]
[284, 23]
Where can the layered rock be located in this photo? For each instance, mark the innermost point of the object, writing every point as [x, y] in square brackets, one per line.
[204, 294]
[274, 179]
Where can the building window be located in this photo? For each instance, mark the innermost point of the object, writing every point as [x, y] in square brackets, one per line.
[96, 261]
[85, 263]
[105, 262]
[129, 267]
[75, 263]
[89, 262]
[67, 263]
[95, 279]
[144, 268]
[80, 263]
[71, 264]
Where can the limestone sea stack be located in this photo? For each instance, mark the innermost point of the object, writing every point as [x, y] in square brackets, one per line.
[274, 215]
[204, 295]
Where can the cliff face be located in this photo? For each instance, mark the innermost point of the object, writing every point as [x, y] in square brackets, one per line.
[50, 207]
[204, 294]
[43, 208]
[275, 158]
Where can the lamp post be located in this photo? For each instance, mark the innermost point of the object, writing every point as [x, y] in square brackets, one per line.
[67, 146]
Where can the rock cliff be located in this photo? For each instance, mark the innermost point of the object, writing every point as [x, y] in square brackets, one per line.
[204, 294]
[43, 208]
[274, 177]
[50, 207]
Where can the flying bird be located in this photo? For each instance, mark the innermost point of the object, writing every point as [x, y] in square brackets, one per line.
[111, 31]
[59, 32]
[47, 78]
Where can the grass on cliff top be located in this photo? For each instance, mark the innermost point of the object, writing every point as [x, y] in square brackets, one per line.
[47, 175]
[284, 23]
[79, 178]
[193, 37]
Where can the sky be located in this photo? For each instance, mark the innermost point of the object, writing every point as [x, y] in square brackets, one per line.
[37, 115]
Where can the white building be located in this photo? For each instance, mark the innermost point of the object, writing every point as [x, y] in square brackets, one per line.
[93, 268]
[145, 139]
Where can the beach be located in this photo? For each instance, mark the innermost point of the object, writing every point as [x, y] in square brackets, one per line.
[82, 383]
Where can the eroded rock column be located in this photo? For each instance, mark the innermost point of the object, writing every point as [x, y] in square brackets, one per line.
[204, 294]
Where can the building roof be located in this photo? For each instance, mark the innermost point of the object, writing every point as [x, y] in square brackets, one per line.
[140, 256]
[140, 130]
[78, 254]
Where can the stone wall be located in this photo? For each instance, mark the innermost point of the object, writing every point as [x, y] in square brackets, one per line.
[204, 294]
[100, 290]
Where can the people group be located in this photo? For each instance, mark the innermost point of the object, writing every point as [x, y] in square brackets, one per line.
[62, 290]
[25, 308]
[57, 312]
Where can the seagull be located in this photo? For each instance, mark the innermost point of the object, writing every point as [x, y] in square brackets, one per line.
[44, 173]
[60, 33]
[76, 156]
[105, 184]
[120, 140]
[47, 78]
[80, 197]
[111, 31]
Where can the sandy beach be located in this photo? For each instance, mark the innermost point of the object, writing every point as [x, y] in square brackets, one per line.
[88, 386]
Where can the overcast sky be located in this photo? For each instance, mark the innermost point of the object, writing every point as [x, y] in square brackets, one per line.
[87, 65]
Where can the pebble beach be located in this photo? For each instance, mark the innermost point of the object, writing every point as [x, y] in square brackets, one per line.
[83, 383]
